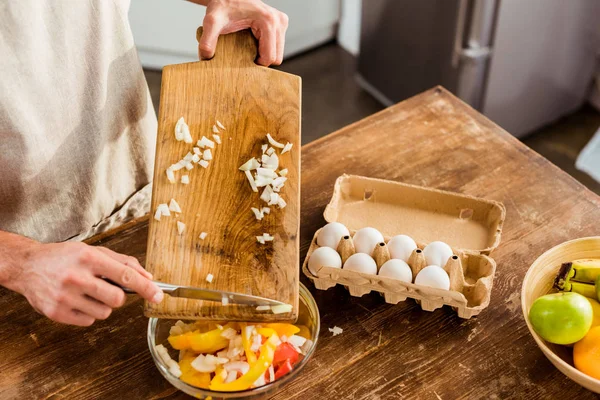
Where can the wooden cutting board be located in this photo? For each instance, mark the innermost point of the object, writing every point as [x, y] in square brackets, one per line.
[250, 101]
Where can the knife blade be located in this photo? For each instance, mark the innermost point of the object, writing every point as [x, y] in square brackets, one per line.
[191, 292]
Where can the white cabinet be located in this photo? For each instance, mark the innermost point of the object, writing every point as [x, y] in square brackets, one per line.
[165, 30]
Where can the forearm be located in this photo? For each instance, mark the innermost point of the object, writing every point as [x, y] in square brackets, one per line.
[15, 250]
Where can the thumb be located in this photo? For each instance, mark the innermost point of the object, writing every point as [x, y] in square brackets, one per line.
[213, 25]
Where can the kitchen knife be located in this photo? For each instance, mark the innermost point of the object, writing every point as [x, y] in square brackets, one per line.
[190, 292]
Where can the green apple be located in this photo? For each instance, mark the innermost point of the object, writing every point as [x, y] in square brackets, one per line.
[561, 318]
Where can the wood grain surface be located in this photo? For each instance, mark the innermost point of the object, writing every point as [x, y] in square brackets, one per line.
[250, 101]
[386, 351]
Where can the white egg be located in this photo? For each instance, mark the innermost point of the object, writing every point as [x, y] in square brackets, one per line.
[366, 239]
[437, 253]
[401, 247]
[331, 234]
[433, 276]
[324, 257]
[361, 262]
[396, 269]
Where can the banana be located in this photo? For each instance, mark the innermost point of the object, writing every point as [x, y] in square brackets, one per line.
[584, 271]
[584, 289]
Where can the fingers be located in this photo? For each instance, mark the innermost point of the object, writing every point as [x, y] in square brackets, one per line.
[212, 27]
[267, 46]
[90, 307]
[128, 277]
[281, 38]
[66, 315]
[127, 260]
[104, 292]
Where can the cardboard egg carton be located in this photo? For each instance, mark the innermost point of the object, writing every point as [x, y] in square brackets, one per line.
[471, 226]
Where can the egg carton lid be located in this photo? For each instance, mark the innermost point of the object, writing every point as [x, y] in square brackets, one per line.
[466, 223]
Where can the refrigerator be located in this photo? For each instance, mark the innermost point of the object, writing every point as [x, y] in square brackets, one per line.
[523, 64]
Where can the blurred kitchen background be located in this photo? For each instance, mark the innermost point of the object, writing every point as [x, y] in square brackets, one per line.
[531, 66]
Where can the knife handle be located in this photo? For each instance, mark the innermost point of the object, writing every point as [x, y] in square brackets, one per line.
[125, 289]
[165, 287]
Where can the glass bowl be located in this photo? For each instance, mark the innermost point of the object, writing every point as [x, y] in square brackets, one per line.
[158, 332]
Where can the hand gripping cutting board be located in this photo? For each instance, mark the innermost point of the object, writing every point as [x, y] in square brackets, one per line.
[250, 101]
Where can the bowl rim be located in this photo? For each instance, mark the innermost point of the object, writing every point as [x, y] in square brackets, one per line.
[540, 342]
[246, 392]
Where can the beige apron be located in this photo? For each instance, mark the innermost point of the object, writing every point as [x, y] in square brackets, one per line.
[77, 127]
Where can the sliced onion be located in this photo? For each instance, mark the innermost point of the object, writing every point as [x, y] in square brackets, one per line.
[180, 227]
[178, 129]
[262, 181]
[164, 209]
[266, 172]
[217, 139]
[266, 194]
[336, 330]
[179, 165]
[196, 158]
[250, 165]
[220, 125]
[170, 175]
[263, 308]
[209, 278]
[271, 373]
[283, 172]
[281, 202]
[265, 210]
[264, 148]
[270, 151]
[197, 150]
[185, 179]
[203, 163]
[187, 136]
[189, 166]
[207, 155]
[274, 198]
[188, 157]
[260, 239]
[224, 301]
[215, 129]
[203, 235]
[257, 213]
[157, 215]
[274, 142]
[270, 162]
[279, 181]
[204, 142]
[251, 180]
[267, 237]
[174, 206]
[296, 340]
[286, 148]
[281, 308]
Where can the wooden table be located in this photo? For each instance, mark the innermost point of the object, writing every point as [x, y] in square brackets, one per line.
[386, 351]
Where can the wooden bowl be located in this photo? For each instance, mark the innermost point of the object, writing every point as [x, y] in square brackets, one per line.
[538, 282]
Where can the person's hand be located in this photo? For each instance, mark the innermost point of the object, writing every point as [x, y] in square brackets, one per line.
[225, 16]
[63, 281]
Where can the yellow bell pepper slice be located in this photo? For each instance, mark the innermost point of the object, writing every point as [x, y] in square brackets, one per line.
[217, 379]
[209, 342]
[190, 376]
[266, 332]
[250, 356]
[303, 331]
[283, 329]
[258, 369]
